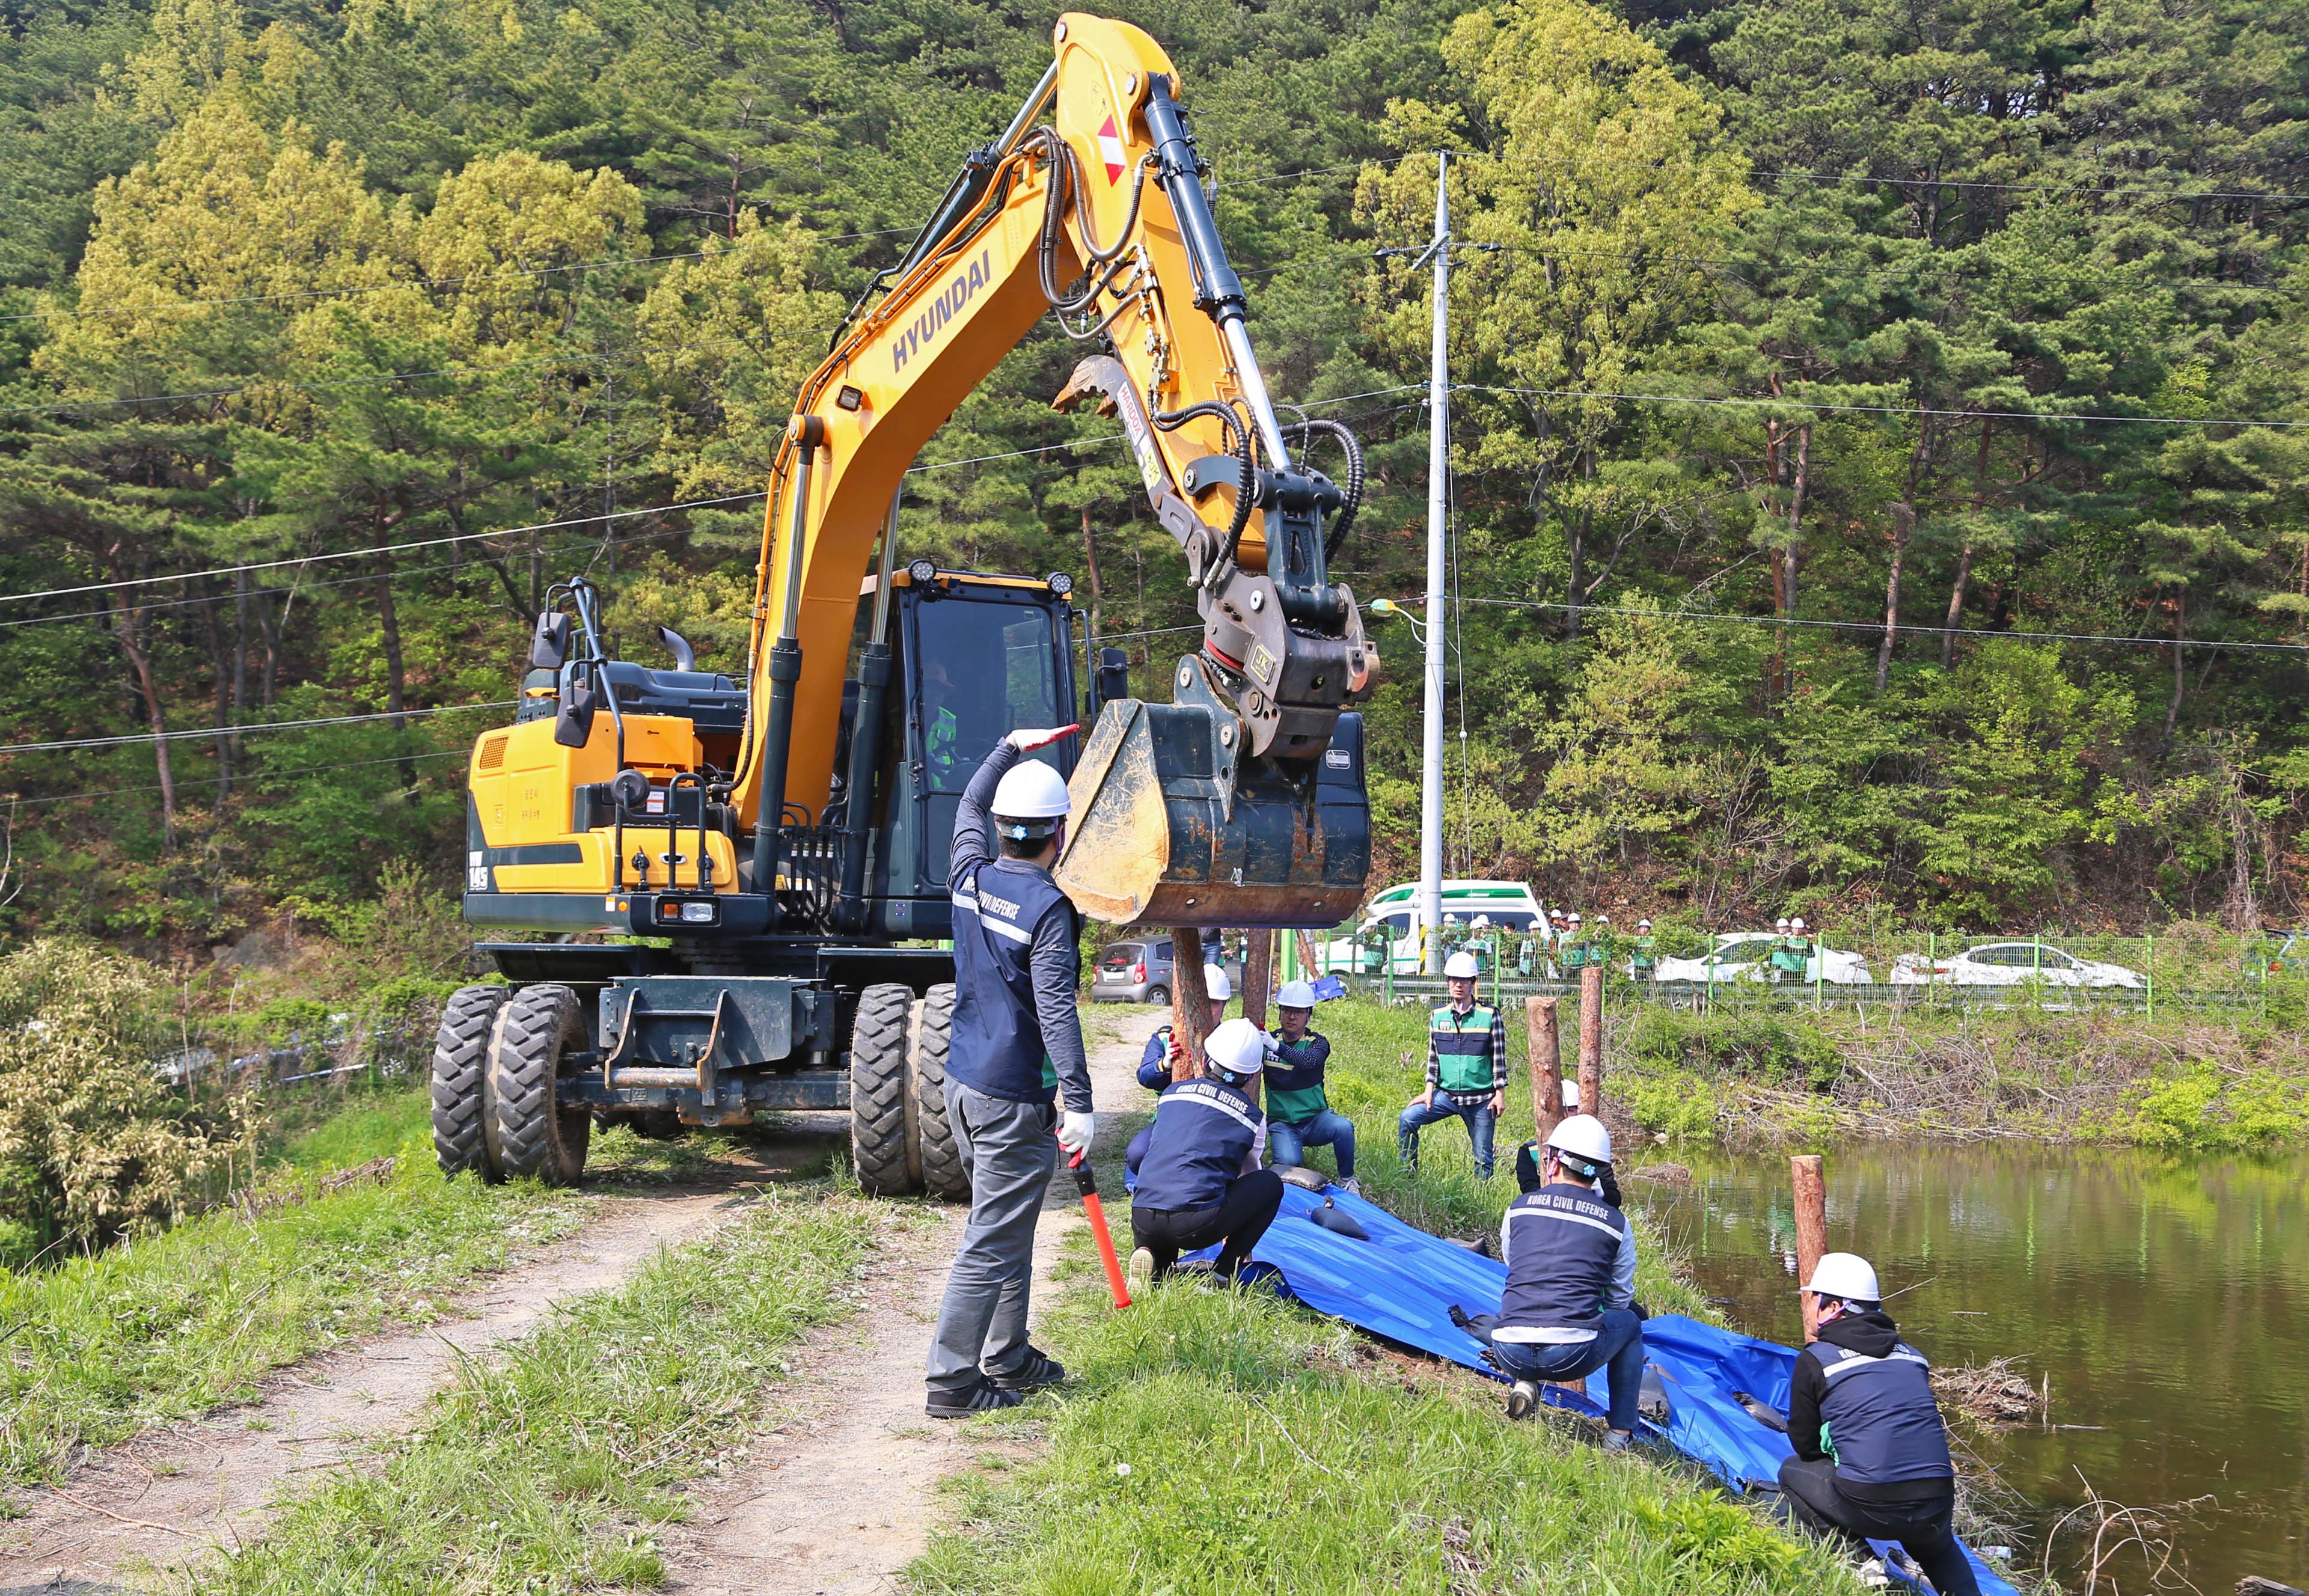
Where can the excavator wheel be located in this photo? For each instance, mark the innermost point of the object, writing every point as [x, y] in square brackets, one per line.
[934, 1150]
[878, 1096]
[530, 1133]
[461, 1050]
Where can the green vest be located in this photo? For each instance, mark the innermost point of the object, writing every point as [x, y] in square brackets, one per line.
[1462, 1048]
[1792, 955]
[1644, 957]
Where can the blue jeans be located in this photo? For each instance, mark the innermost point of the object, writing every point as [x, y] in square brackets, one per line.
[1618, 1345]
[1331, 1128]
[1480, 1121]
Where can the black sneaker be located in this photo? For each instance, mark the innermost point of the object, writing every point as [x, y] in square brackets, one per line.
[1036, 1371]
[1523, 1401]
[982, 1397]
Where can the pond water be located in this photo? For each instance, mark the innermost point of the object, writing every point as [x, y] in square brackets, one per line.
[2166, 1299]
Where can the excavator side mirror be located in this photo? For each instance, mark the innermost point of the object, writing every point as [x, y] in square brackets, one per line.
[685, 658]
[1110, 682]
[548, 645]
[573, 725]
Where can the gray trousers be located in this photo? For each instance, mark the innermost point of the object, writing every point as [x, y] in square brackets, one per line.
[1009, 1154]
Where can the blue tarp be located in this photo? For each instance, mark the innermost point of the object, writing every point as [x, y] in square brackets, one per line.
[1402, 1284]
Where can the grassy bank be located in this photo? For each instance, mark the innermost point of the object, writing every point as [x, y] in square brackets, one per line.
[1218, 1442]
[552, 1469]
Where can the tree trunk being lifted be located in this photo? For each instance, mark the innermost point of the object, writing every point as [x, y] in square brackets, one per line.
[1591, 1039]
[1190, 1002]
[1811, 1229]
[1257, 977]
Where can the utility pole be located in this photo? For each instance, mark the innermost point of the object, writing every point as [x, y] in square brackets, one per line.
[1439, 464]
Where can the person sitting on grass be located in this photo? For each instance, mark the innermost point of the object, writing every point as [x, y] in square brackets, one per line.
[1157, 1065]
[1569, 1307]
[1198, 1179]
[1872, 1454]
[1299, 1112]
[1466, 1067]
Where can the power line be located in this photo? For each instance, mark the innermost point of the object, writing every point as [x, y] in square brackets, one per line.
[200, 733]
[1887, 410]
[1875, 628]
[251, 779]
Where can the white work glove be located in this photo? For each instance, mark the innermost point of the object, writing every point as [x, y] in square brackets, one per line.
[1076, 1131]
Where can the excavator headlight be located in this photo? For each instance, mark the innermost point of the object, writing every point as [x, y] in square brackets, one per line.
[1060, 582]
[921, 570]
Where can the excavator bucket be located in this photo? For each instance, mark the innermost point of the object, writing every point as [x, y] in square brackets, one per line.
[1175, 826]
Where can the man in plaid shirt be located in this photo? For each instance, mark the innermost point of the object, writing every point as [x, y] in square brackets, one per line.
[1466, 1069]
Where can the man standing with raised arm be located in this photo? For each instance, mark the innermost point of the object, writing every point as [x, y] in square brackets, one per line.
[1017, 1046]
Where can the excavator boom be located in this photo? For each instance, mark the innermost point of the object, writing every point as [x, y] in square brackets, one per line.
[1241, 802]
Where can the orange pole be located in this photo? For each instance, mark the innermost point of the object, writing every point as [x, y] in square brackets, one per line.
[1087, 1183]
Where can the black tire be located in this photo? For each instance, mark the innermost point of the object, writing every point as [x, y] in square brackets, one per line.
[529, 1131]
[935, 1152]
[1158, 996]
[877, 1091]
[460, 1051]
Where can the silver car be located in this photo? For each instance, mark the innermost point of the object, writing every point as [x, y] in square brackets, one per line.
[1140, 972]
[2009, 964]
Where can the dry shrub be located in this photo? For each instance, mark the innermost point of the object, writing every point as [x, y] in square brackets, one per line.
[94, 1144]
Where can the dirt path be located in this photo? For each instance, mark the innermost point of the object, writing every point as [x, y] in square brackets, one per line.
[170, 1494]
[839, 1492]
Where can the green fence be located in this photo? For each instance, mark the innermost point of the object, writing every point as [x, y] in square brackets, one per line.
[2264, 976]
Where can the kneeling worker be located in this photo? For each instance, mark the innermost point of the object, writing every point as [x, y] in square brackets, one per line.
[1569, 1308]
[1156, 1064]
[1872, 1459]
[1199, 1177]
[1299, 1112]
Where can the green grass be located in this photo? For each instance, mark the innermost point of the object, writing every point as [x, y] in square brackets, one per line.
[1223, 1442]
[173, 1324]
[553, 1469]
[363, 1123]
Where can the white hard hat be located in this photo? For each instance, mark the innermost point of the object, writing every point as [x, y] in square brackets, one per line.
[1796, 924]
[1296, 994]
[1575, 917]
[1237, 1046]
[1584, 1137]
[1460, 967]
[1216, 985]
[1847, 1275]
[1643, 925]
[1030, 792]
[1602, 920]
[1572, 1094]
[1482, 922]
[1780, 924]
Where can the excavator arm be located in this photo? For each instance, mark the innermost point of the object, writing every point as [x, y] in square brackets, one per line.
[1232, 806]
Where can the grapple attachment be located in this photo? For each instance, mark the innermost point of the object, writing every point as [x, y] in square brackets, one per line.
[1175, 825]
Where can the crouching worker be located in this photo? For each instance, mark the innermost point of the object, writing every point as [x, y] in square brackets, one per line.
[1466, 1067]
[1569, 1308]
[1158, 1063]
[1871, 1455]
[1299, 1113]
[1199, 1177]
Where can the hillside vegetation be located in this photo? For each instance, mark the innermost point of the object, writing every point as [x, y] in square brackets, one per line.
[1989, 322]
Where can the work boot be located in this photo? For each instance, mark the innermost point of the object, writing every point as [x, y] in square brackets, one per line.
[1523, 1401]
[1036, 1371]
[1142, 1273]
[981, 1396]
[1614, 1441]
[1350, 1185]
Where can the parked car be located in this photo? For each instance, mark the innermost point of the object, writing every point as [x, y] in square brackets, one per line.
[1388, 933]
[1140, 972]
[2009, 964]
[1747, 956]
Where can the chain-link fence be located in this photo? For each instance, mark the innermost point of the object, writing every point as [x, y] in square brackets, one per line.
[2193, 969]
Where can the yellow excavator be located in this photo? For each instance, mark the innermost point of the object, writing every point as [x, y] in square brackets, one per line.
[771, 852]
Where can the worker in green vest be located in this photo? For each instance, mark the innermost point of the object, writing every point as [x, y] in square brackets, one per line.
[1466, 1069]
[1575, 952]
[1643, 962]
[1792, 952]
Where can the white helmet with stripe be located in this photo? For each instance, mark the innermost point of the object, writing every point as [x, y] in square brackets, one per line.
[1216, 985]
[1237, 1047]
[1030, 800]
[1296, 994]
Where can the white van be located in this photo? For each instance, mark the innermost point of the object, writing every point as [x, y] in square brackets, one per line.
[1389, 932]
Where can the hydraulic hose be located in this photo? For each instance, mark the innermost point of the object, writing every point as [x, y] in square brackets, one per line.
[1239, 440]
[1353, 448]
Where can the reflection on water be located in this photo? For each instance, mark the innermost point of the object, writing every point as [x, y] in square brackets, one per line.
[2167, 1299]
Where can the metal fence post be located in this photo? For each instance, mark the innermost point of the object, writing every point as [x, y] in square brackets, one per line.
[2149, 937]
[2036, 967]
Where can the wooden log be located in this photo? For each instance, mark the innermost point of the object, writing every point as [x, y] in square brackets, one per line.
[1257, 977]
[1805, 1174]
[1546, 1065]
[1591, 1039]
[2253, 1584]
[1191, 1003]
